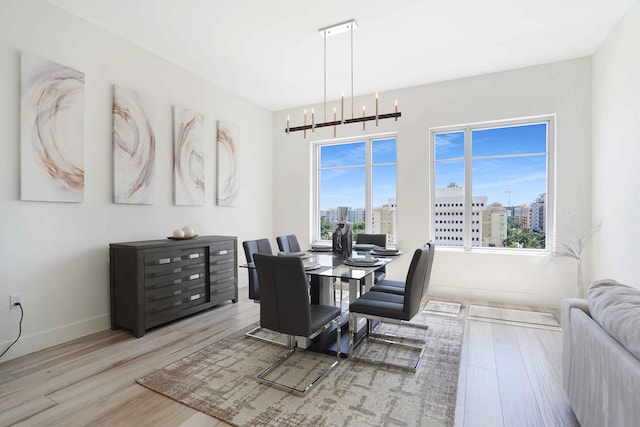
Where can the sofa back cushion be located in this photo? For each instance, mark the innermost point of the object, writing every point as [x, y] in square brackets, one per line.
[616, 308]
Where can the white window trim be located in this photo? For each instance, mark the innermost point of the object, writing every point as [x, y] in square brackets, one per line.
[550, 223]
[315, 165]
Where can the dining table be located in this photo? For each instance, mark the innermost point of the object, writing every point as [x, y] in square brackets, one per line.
[325, 269]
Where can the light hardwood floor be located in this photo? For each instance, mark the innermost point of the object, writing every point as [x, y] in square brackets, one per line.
[509, 375]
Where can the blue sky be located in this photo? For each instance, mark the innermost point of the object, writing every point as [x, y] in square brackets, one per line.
[514, 180]
[345, 186]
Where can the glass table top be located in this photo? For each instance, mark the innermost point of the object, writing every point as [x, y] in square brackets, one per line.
[325, 264]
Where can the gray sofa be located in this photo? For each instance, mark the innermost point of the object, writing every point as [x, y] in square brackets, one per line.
[601, 355]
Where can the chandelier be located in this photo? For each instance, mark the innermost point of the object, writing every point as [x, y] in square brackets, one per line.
[347, 26]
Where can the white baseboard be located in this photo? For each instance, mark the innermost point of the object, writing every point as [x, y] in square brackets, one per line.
[51, 337]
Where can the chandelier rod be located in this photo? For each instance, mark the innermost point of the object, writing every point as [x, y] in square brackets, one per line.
[352, 71]
[324, 36]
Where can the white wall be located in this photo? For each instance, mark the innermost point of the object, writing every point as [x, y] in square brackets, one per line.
[55, 254]
[561, 88]
[616, 152]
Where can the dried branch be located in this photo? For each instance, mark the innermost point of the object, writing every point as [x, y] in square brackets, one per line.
[576, 241]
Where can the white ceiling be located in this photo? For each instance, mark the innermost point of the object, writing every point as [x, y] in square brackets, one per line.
[270, 52]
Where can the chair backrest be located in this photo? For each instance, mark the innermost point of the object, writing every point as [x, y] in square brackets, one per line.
[417, 281]
[251, 247]
[427, 278]
[372, 239]
[284, 294]
[288, 243]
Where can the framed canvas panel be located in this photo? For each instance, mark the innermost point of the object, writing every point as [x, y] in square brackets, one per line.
[134, 147]
[188, 157]
[227, 155]
[51, 131]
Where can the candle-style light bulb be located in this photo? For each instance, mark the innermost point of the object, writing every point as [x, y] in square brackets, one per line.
[363, 115]
[396, 109]
[334, 120]
[288, 119]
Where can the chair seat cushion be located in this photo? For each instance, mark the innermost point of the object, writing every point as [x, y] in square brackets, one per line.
[383, 296]
[379, 304]
[389, 286]
[322, 314]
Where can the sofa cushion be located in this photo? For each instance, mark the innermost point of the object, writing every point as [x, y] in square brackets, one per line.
[616, 308]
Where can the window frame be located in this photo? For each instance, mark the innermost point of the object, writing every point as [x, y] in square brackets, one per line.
[368, 140]
[468, 128]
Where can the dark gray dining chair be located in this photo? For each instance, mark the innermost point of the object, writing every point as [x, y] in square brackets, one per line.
[288, 243]
[252, 247]
[386, 307]
[397, 286]
[379, 240]
[285, 307]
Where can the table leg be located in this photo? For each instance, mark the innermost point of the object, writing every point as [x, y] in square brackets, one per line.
[321, 290]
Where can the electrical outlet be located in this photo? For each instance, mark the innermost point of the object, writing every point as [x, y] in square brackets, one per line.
[14, 300]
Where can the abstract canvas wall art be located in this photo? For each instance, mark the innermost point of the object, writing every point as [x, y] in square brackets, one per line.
[52, 131]
[134, 147]
[188, 157]
[227, 155]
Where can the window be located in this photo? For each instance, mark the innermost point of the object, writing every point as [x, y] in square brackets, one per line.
[360, 175]
[508, 167]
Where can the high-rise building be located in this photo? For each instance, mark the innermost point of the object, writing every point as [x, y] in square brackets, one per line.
[522, 215]
[537, 213]
[330, 215]
[383, 220]
[449, 216]
[494, 225]
[357, 215]
[353, 215]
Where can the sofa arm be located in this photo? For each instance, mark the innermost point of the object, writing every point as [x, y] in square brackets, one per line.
[565, 317]
[568, 304]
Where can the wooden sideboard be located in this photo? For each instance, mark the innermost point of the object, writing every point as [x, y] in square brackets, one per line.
[157, 281]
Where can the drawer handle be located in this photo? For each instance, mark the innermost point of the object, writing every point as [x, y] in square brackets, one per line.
[194, 276]
[164, 260]
[177, 270]
[194, 297]
[178, 292]
[177, 281]
[192, 256]
[223, 252]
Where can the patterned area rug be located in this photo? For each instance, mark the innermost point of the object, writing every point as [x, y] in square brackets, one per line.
[443, 308]
[219, 380]
[532, 319]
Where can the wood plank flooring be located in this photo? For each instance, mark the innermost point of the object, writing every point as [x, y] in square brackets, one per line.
[509, 375]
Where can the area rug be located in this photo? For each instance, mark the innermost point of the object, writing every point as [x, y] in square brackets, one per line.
[532, 319]
[219, 380]
[443, 308]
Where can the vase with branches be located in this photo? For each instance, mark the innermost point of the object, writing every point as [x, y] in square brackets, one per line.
[574, 245]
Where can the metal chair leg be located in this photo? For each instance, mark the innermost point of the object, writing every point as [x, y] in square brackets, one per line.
[353, 322]
[254, 333]
[262, 376]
